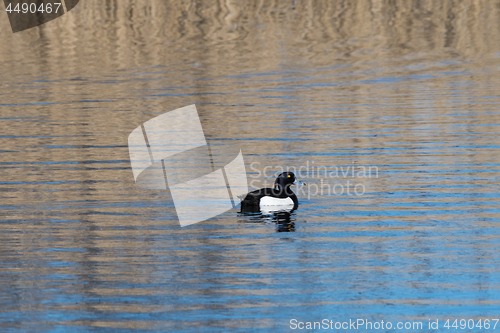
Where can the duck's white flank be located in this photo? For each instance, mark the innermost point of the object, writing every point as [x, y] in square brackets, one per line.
[270, 201]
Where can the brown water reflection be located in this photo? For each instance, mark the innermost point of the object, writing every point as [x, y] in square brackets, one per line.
[409, 88]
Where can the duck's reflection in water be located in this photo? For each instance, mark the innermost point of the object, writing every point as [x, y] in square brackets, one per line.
[284, 220]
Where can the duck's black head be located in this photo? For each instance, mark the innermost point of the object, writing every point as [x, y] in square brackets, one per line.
[283, 182]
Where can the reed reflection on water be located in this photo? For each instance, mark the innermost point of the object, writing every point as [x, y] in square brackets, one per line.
[411, 88]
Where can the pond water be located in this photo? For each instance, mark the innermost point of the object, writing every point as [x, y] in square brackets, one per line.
[409, 95]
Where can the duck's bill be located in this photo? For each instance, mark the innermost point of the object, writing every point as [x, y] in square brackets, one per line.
[299, 182]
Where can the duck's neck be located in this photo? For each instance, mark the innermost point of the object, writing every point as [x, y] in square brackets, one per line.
[286, 189]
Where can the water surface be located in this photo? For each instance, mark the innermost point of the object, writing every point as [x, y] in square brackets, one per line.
[410, 90]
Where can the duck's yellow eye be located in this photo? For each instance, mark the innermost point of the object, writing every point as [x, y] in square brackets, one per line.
[289, 176]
